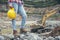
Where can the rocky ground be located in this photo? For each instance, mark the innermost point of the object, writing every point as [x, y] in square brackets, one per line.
[6, 29]
[31, 36]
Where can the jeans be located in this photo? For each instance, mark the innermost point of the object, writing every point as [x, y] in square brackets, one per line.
[19, 9]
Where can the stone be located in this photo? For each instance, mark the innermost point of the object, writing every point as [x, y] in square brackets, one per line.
[1, 38]
[30, 36]
[57, 38]
[49, 38]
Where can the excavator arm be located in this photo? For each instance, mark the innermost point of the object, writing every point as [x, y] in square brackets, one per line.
[47, 15]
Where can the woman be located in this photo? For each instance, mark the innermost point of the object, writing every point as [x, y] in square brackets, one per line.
[18, 6]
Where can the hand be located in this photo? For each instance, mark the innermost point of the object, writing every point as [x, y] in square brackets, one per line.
[10, 7]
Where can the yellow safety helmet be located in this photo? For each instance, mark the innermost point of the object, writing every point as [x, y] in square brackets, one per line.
[11, 13]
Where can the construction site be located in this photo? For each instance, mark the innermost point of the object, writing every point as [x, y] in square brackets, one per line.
[38, 16]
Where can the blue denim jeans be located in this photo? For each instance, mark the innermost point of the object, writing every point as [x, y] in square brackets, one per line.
[19, 9]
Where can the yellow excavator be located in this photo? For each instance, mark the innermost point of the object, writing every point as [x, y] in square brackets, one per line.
[41, 25]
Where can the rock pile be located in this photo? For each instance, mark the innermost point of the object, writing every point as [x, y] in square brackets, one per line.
[55, 31]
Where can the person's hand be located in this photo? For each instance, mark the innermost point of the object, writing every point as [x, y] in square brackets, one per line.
[10, 5]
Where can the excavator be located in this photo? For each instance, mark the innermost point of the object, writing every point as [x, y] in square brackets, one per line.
[42, 25]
